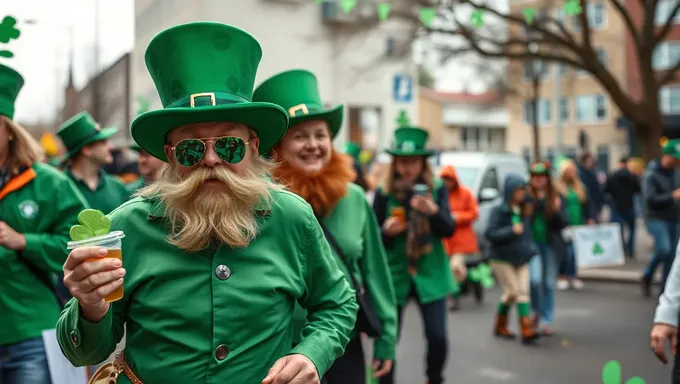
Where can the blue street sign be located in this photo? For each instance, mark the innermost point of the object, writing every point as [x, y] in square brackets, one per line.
[402, 88]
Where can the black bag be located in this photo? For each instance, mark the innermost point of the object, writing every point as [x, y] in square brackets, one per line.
[367, 319]
[44, 278]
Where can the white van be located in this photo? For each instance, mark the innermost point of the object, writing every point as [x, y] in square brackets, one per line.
[484, 173]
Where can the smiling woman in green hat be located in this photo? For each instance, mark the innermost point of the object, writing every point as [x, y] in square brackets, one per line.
[413, 211]
[38, 206]
[216, 255]
[88, 151]
[313, 169]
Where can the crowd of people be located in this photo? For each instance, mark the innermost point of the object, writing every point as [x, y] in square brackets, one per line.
[251, 251]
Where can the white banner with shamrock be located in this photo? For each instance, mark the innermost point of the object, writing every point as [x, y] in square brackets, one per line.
[597, 245]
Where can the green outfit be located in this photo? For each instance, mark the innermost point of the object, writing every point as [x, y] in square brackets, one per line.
[179, 307]
[135, 185]
[573, 208]
[43, 205]
[361, 244]
[539, 227]
[297, 91]
[432, 279]
[109, 194]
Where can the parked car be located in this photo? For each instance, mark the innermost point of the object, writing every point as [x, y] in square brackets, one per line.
[484, 173]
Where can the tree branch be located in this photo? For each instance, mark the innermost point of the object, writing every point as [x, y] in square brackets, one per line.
[668, 24]
[669, 75]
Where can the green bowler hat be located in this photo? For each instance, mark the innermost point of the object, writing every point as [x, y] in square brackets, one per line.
[10, 85]
[297, 91]
[205, 72]
[81, 130]
[672, 148]
[410, 141]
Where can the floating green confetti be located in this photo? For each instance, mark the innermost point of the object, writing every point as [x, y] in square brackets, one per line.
[482, 274]
[529, 14]
[477, 18]
[611, 374]
[402, 119]
[8, 31]
[92, 223]
[427, 14]
[573, 7]
[383, 10]
[348, 5]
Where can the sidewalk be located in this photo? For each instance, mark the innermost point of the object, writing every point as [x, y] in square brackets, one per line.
[631, 272]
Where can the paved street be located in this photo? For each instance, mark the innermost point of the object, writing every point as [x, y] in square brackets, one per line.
[604, 322]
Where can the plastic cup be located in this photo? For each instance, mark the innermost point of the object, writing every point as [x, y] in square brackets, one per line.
[112, 242]
[399, 213]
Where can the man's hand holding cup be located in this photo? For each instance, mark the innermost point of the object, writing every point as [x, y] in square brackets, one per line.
[90, 276]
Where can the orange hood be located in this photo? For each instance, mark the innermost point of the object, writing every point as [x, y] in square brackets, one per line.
[449, 172]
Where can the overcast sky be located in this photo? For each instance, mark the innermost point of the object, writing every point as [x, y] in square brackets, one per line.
[41, 54]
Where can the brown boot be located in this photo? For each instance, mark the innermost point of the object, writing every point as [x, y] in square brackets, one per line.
[529, 334]
[501, 330]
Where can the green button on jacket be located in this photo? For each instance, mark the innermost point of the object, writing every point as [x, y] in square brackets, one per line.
[354, 226]
[109, 194]
[218, 316]
[42, 206]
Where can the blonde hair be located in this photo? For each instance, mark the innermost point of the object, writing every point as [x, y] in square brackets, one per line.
[388, 182]
[23, 148]
[636, 166]
[576, 184]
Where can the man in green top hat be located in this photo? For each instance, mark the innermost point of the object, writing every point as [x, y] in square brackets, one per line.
[215, 253]
[38, 206]
[661, 196]
[88, 150]
[149, 168]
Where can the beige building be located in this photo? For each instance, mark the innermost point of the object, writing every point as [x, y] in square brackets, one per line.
[463, 121]
[583, 104]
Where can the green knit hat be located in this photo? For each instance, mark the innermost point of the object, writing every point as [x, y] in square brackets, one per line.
[671, 147]
[10, 85]
[297, 91]
[81, 130]
[205, 72]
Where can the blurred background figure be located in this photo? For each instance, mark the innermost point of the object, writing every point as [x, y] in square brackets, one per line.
[354, 150]
[588, 172]
[148, 168]
[623, 187]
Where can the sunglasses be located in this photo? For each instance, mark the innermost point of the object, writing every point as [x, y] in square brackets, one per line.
[190, 152]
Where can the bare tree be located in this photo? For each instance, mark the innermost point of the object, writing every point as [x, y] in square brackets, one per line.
[557, 43]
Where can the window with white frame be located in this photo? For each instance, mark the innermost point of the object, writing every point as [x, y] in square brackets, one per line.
[543, 111]
[564, 109]
[669, 98]
[666, 55]
[534, 69]
[663, 12]
[597, 17]
[591, 108]
[482, 138]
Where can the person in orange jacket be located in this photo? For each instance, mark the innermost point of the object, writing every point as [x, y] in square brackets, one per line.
[464, 210]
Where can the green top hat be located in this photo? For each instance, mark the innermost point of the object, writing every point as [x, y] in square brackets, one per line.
[672, 148]
[81, 130]
[10, 85]
[410, 141]
[353, 149]
[297, 91]
[205, 72]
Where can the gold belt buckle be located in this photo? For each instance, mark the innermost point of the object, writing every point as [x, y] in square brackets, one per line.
[300, 107]
[192, 98]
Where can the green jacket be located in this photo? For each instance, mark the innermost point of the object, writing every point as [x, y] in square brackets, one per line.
[43, 205]
[109, 194]
[353, 224]
[134, 186]
[432, 280]
[179, 310]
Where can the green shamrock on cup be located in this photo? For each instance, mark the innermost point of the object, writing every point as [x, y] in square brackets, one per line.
[8, 31]
[92, 223]
[611, 374]
[482, 274]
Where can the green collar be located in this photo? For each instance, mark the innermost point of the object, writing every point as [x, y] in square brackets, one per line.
[100, 184]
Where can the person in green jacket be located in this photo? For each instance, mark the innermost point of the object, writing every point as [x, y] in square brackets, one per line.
[38, 206]
[313, 169]
[149, 168]
[88, 150]
[412, 208]
[215, 253]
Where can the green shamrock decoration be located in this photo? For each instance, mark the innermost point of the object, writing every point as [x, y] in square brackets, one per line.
[402, 119]
[611, 374]
[8, 32]
[92, 223]
[529, 14]
[477, 18]
[383, 10]
[573, 7]
[348, 5]
[427, 14]
[482, 274]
